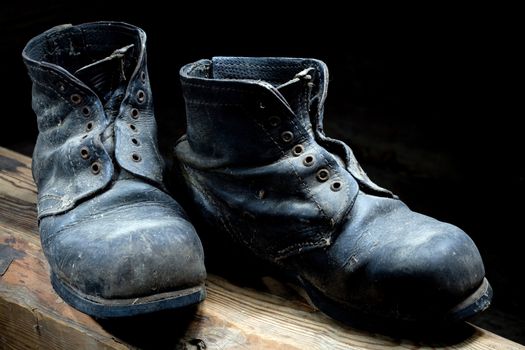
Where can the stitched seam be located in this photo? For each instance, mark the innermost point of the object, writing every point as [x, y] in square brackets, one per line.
[47, 87]
[54, 74]
[71, 163]
[62, 80]
[317, 236]
[271, 66]
[226, 224]
[327, 162]
[197, 102]
[284, 253]
[219, 88]
[333, 171]
[50, 196]
[158, 162]
[297, 174]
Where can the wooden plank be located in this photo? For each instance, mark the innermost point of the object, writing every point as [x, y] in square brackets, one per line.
[232, 317]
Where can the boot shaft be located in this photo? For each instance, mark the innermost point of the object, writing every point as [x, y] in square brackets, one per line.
[254, 111]
[255, 156]
[236, 112]
[92, 98]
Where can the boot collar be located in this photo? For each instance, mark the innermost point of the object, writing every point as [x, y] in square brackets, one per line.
[51, 56]
[266, 75]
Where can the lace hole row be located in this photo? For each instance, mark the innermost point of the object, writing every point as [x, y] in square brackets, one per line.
[134, 113]
[309, 160]
[322, 175]
[75, 99]
[96, 167]
[274, 121]
[136, 157]
[86, 111]
[297, 150]
[336, 186]
[287, 136]
[141, 96]
[84, 153]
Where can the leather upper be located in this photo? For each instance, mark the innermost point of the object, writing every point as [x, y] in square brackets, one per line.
[108, 228]
[80, 134]
[253, 152]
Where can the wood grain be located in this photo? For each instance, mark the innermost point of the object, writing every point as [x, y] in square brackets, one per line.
[32, 316]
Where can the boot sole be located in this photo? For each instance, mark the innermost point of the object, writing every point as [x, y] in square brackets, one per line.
[109, 308]
[472, 305]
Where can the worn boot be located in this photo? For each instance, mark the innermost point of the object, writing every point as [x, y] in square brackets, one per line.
[117, 244]
[260, 169]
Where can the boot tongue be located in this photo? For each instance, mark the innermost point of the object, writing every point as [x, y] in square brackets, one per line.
[107, 77]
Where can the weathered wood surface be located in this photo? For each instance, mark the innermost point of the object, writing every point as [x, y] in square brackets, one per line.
[232, 317]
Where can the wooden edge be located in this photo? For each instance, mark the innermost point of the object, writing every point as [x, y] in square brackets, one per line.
[232, 317]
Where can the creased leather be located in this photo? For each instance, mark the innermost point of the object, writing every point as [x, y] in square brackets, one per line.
[108, 228]
[356, 244]
[62, 176]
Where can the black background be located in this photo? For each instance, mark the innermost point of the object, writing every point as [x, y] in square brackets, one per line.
[427, 102]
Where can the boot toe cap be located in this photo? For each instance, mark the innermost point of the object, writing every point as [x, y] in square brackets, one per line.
[128, 259]
[390, 262]
[428, 272]
[137, 246]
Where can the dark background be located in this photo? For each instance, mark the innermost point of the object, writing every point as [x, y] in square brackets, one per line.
[427, 105]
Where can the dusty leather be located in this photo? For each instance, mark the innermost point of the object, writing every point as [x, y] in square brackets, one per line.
[107, 227]
[251, 160]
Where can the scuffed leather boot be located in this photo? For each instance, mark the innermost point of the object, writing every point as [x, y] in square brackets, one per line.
[117, 244]
[260, 169]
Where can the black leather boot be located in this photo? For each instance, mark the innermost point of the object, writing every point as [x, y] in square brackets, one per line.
[260, 169]
[117, 244]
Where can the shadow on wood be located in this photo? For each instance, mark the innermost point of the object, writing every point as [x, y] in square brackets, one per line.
[161, 330]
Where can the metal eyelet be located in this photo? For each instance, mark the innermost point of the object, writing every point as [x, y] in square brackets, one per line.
[84, 152]
[143, 76]
[336, 186]
[96, 167]
[86, 111]
[135, 141]
[134, 113]
[141, 96]
[75, 98]
[309, 160]
[274, 121]
[89, 126]
[133, 127]
[136, 157]
[322, 175]
[287, 136]
[297, 150]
